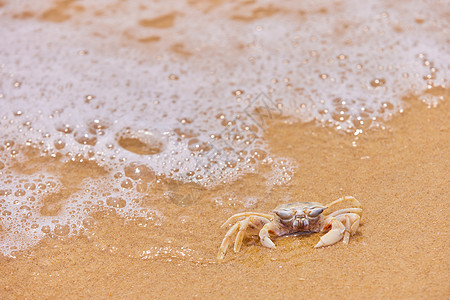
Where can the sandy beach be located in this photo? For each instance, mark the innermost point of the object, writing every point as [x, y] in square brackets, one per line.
[399, 174]
[130, 131]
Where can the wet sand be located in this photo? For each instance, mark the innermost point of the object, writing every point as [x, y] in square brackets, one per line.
[400, 175]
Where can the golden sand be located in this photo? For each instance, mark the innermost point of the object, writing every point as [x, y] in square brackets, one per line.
[400, 175]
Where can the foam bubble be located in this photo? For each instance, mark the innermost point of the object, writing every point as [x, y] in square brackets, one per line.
[36, 206]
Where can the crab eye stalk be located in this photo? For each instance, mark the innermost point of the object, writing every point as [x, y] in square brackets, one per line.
[316, 211]
[284, 214]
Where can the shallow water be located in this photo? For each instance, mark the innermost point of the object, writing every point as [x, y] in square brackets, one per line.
[131, 131]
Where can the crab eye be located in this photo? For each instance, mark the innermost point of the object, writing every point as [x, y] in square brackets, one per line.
[316, 211]
[284, 214]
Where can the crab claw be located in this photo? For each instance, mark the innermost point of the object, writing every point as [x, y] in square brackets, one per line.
[333, 236]
[267, 242]
[264, 235]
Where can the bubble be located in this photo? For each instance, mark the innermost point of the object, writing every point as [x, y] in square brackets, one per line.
[126, 184]
[116, 202]
[45, 229]
[142, 142]
[89, 222]
[59, 144]
[9, 144]
[89, 98]
[6, 213]
[85, 138]
[238, 92]
[98, 127]
[197, 145]
[5, 192]
[259, 154]
[61, 230]
[138, 171]
[65, 128]
[173, 77]
[19, 192]
[378, 82]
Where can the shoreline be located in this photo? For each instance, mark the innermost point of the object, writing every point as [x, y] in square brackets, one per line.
[400, 175]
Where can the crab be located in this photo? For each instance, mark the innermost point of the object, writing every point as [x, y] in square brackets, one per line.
[298, 217]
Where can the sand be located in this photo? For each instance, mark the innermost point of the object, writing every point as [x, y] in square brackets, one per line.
[400, 174]
[401, 250]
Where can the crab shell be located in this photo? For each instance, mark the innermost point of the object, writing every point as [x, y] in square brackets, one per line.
[299, 216]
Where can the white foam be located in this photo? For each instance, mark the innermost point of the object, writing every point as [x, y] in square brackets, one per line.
[192, 97]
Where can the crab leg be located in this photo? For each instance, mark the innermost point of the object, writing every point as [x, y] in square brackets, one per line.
[226, 241]
[256, 221]
[347, 225]
[233, 218]
[352, 200]
[342, 227]
[346, 211]
[355, 225]
[240, 227]
[355, 203]
[353, 221]
[241, 234]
